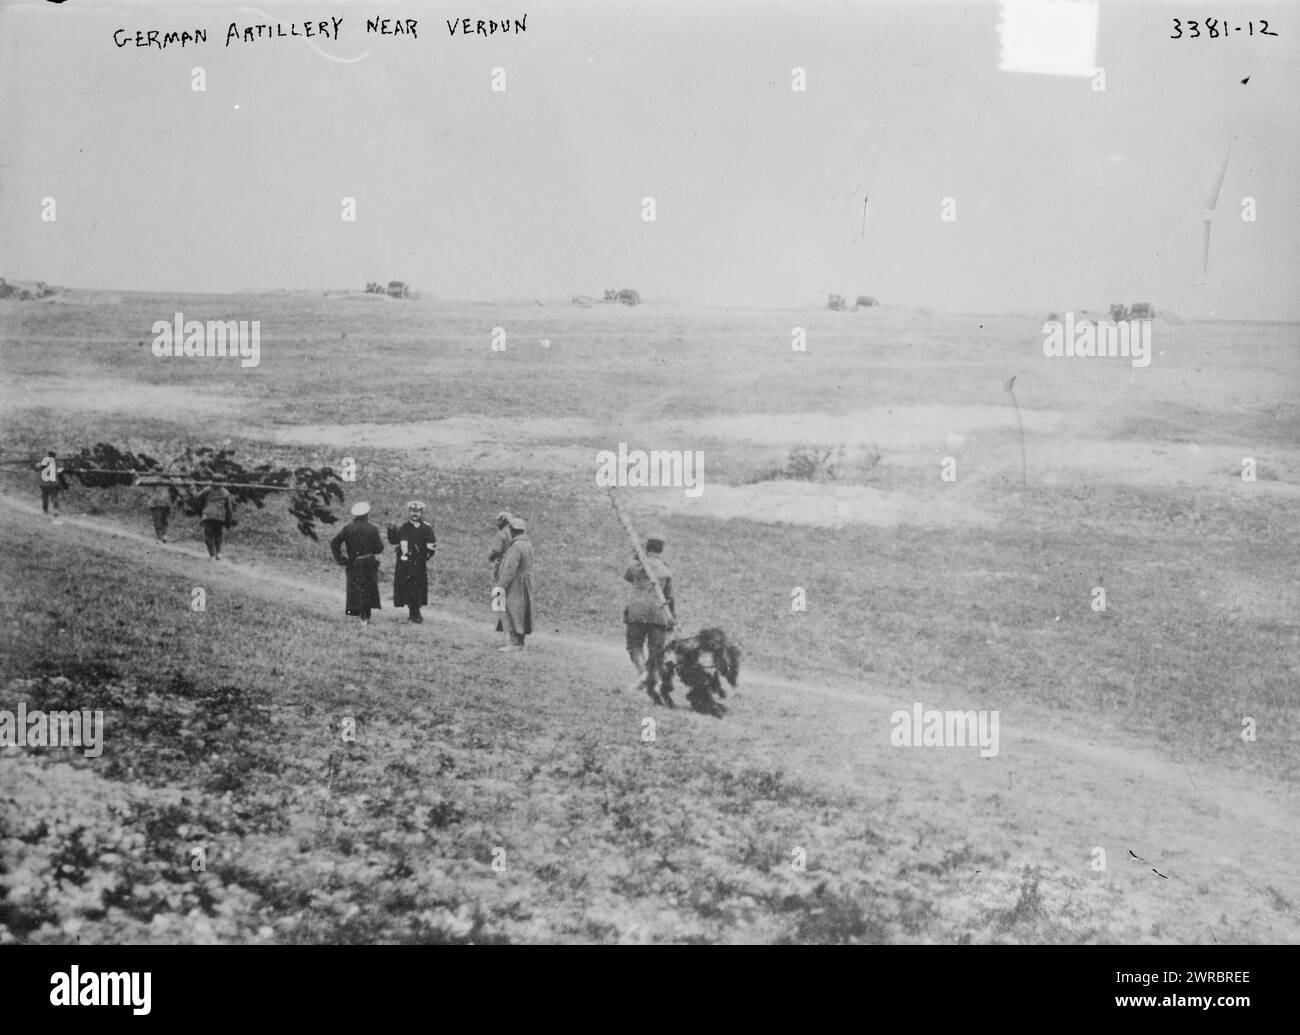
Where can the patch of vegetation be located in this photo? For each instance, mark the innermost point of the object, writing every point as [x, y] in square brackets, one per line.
[821, 464]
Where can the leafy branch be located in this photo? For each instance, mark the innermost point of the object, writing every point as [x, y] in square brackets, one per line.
[311, 490]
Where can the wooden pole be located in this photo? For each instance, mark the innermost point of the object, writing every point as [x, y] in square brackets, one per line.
[177, 480]
[640, 551]
[156, 479]
[228, 485]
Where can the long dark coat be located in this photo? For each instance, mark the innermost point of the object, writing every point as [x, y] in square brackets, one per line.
[516, 579]
[359, 546]
[411, 578]
[500, 545]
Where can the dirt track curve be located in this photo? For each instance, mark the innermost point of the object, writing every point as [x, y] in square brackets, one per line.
[1217, 846]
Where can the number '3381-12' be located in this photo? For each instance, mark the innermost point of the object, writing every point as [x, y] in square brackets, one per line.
[1214, 29]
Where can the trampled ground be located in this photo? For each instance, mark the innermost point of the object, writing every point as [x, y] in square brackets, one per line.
[1119, 729]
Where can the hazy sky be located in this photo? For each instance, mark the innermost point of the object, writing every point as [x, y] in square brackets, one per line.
[1065, 197]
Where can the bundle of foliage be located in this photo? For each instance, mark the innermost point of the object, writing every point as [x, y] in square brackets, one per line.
[103, 465]
[311, 490]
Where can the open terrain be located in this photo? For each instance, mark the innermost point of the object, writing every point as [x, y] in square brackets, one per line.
[1120, 729]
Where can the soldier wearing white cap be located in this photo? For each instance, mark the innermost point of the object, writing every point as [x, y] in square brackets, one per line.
[358, 548]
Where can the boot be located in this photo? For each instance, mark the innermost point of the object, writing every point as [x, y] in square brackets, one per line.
[638, 662]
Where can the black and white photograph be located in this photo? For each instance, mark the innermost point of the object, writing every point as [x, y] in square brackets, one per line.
[650, 473]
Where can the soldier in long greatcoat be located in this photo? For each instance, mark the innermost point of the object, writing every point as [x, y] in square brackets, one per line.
[358, 548]
[500, 543]
[516, 581]
[416, 544]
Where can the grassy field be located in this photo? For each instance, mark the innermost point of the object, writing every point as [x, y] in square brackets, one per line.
[223, 727]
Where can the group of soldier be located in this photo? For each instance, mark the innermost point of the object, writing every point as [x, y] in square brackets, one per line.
[216, 514]
[649, 614]
[358, 548]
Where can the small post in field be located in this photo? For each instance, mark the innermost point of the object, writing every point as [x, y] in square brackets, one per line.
[1010, 387]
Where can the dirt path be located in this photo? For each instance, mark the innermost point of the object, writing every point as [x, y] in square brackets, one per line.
[1193, 852]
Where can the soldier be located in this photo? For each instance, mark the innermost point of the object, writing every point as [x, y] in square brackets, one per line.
[52, 480]
[364, 547]
[647, 620]
[160, 509]
[416, 544]
[500, 544]
[516, 581]
[218, 514]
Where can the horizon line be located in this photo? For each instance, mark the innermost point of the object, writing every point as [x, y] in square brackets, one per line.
[673, 300]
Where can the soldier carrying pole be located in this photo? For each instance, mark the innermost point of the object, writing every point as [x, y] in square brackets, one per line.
[651, 610]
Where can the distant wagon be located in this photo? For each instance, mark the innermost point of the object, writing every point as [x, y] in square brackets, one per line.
[866, 300]
[1137, 311]
[398, 289]
[41, 290]
[628, 296]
